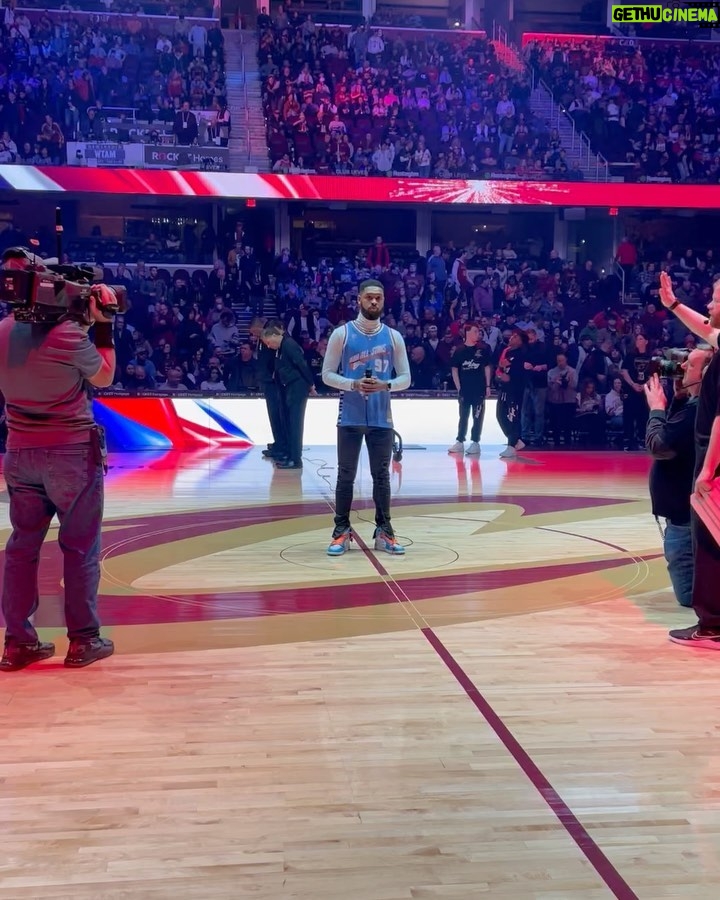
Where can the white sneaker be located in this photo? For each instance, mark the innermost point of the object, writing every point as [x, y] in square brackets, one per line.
[473, 449]
[508, 453]
[520, 445]
[457, 447]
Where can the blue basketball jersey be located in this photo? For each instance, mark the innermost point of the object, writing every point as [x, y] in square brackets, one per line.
[362, 352]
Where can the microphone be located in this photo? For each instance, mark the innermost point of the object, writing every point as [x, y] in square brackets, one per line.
[368, 374]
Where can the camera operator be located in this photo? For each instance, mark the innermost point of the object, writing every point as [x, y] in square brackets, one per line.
[54, 465]
[706, 552]
[670, 440]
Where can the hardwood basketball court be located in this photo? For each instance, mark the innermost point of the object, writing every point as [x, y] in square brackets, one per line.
[499, 713]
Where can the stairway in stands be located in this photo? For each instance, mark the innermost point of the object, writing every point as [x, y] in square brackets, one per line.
[576, 148]
[545, 108]
[243, 316]
[248, 146]
[508, 56]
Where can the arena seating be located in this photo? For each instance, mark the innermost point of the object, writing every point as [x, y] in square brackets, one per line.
[575, 309]
[380, 101]
[63, 78]
[650, 107]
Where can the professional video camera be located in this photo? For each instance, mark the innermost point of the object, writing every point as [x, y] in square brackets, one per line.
[44, 292]
[668, 364]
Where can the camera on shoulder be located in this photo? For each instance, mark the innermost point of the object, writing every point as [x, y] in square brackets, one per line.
[43, 293]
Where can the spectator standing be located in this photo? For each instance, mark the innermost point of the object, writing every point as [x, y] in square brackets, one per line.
[634, 372]
[198, 38]
[185, 126]
[627, 257]
[535, 394]
[378, 256]
[472, 375]
[511, 378]
[437, 268]
[562, 399]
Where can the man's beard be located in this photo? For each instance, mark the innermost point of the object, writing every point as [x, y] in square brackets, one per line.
[372, 314]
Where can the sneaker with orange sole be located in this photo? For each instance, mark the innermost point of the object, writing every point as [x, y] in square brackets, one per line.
[388, 543]
[339, 543]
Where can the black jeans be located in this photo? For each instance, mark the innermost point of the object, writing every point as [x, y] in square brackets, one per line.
[475, 407]
[293, 400]
[379, 443]
[705, 592]
[562, 417]
[635, 413]
[42, 482]
[508, 417]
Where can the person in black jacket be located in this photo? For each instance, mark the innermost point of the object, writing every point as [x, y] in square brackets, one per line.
[294, 382]
[670, 439]
[511, 378]
[265, 374]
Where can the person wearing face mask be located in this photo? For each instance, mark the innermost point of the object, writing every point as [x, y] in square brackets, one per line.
[360, 359]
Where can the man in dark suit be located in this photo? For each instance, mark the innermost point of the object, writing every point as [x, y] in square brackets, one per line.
[265, 373]
[294, 382]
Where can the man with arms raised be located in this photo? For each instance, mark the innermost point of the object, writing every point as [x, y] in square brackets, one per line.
[705, 593]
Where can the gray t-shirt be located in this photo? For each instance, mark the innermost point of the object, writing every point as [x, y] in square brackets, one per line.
[43, 374]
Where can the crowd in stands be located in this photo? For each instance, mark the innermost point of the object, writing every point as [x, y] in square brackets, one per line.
[652, 107]
[63, 78]
[587, 354]
[188, 330]
[358, 101]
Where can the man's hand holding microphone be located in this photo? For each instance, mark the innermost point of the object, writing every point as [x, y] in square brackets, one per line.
[369, 384]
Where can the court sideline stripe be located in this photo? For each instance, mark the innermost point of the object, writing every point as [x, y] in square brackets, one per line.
[567, 818]
[572, 825]
[560, 809]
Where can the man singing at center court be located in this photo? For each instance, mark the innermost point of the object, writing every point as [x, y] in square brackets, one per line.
[359, 362]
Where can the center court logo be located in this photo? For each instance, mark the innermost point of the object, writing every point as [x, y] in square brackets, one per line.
[703, 15]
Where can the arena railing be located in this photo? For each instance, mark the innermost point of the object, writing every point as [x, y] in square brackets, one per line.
[500, 35]
[111, 19]
[405, 31]
[620, 272]
[577, 138]
[246, 102]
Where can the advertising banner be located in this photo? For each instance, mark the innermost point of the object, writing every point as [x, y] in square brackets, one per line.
[347, 189]
[177, 157]
[102, 153]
